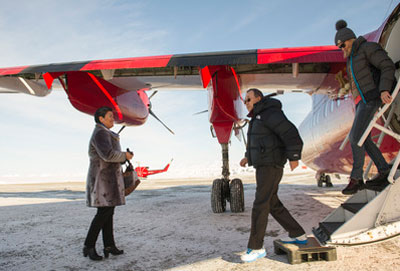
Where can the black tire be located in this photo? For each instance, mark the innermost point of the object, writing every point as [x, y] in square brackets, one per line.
[328, 181]
[225, 191]
[218, 203]
[319, 182]
[237, 196]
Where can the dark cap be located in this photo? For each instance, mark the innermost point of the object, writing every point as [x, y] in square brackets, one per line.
[343, 33]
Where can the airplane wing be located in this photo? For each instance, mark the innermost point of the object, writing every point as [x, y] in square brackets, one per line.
[290, 69]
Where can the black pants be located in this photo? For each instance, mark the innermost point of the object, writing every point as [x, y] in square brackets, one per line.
[266, 202]
[103, 220]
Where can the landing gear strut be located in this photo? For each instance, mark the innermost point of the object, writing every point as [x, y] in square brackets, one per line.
[225, 190]
[324, 179]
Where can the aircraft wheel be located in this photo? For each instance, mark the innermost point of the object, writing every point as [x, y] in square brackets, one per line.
[237, 196]
[225, 190]
[328, 181]
[218, 203]
[320, 182]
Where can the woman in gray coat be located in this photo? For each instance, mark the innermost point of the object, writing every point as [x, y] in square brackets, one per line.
[104, 184]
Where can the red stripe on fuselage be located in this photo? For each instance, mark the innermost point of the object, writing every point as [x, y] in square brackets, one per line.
[107, 95]
[128, 63]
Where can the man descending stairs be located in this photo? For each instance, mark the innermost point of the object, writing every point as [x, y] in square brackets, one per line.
[373, 213]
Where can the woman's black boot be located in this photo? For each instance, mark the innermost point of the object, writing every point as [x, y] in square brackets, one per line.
[113, 250]
[91, 252]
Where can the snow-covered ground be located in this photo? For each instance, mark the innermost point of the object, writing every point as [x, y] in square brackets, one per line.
[167, 225]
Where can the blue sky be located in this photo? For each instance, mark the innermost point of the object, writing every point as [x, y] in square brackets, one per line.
[46, 139]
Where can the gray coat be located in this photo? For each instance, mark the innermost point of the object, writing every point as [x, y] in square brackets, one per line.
[104, 183]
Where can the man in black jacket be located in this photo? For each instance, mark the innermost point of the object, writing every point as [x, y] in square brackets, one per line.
[371, 73]
[272, 139]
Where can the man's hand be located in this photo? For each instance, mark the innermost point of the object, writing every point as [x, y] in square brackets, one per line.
[293, 164]
[243, 162]
[129, 155]
[386, 97]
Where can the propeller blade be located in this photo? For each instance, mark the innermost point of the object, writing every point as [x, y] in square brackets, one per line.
[122, 128]
[201, 112]
[152, 94]
[154, 115]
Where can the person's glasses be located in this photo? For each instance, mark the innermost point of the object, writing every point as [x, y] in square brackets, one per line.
[247, 100]
[341, 46]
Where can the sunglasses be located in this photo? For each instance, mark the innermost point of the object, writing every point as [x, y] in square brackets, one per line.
[341, 46]
[247, 100]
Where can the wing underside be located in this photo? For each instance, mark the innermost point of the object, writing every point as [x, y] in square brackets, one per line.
[288, 69]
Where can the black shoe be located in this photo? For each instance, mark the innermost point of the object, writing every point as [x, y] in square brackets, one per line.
[378, 187]
[378, 180]
[113, 250]
[353, 187]
[91, 252]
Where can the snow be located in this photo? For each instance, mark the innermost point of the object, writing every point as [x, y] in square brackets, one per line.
[168, 225]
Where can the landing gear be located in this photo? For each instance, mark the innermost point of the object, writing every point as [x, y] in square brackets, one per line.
[324, 179]
[223, 191]
[237, 196]
[218, 196]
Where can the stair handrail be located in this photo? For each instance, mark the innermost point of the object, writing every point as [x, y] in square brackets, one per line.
[384, 129]
[380, 140]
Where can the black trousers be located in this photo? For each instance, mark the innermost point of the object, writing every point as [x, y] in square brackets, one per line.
[266, 202]
[103, 220]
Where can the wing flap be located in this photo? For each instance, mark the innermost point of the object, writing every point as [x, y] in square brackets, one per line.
[21, 85]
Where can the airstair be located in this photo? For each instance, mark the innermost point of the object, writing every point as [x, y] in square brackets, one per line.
[367, 216]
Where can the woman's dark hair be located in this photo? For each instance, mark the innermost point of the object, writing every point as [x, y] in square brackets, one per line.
[257, 92]
[101, 112]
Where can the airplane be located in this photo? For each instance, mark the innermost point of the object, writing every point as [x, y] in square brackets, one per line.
[145, 171]
[123, 83]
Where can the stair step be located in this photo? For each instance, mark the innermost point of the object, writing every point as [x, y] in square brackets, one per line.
[330, 227]
[353, 207]
[325, 229]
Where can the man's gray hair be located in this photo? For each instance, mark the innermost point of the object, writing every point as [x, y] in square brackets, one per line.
[256, 91]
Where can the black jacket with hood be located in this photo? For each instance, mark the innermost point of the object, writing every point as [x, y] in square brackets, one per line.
[372, 68]
[272, 138]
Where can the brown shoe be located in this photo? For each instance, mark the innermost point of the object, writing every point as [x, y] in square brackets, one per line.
[353, 186]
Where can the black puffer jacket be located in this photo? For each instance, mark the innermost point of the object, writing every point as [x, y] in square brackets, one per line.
[372, 68]
[272, 138]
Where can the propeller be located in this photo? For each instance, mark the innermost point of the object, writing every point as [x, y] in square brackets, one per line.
[201, 112]
[122, 128]
[152, 94]
[154, 115]
[151, 113]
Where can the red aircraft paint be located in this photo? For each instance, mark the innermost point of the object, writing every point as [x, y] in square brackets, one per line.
[125, 63]
[112, 101]
[87, 95]
[88, 92]
[224, 93]
[145, 171]
[13, 70]
[300, 55]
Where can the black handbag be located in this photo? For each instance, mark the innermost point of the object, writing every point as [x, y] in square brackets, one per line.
[131, 179]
